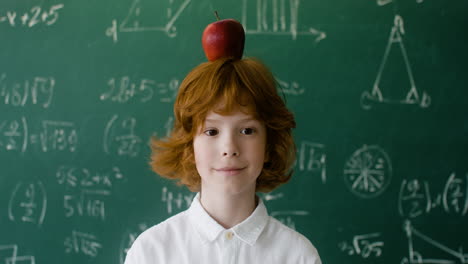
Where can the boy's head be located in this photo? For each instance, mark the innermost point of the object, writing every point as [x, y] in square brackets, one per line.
[223, 87]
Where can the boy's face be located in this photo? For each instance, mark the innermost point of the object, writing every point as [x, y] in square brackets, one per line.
[230, 152]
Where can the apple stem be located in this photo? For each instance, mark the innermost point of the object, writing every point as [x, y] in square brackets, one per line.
[216, 14]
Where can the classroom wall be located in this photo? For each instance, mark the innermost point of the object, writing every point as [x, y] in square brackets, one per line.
[378, 89]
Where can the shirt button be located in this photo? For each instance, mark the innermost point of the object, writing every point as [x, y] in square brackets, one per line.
[229, 235]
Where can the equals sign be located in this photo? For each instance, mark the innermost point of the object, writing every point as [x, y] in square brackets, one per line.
[34, 139]
[162, 88]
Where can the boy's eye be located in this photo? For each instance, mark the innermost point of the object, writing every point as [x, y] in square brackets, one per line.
[211, 132]
[248, 131]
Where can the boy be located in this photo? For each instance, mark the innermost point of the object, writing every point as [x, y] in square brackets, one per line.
[232, 137]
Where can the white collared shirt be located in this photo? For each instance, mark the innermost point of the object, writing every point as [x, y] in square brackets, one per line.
[194, 237]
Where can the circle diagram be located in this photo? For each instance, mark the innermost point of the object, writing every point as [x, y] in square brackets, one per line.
[368, 172]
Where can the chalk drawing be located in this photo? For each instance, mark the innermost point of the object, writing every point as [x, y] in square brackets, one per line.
[277, 18]
[9, 255]
[165, 14]
[377, 95]
[368, 172]
[417, 239]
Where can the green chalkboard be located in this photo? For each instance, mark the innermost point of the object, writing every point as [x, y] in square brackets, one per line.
[379, 89]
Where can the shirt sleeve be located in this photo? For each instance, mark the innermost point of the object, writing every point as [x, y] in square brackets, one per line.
[310, 254]
[317, 260]
[311, 257]
[134, 254]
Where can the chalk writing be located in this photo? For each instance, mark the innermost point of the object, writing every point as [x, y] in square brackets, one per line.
[365, 246]
[168, 126]
[122, 90]
[415, 197]
[35, 16]
[120, 137]
[9, 255]
[55, 136]
[412, 96]
[312, 159]
[270, 196]
[82, 177]
[178, 200]
[386, 2]
[38, 91]
[368, 172]
[13, 135]
[88, 203]
[59, 136]
[90, 189]
[21, 260]
[161, 18]
[82, 243]
[286, 217]
[275, 17]
[28, 203]
[292, 88]
[418, 239]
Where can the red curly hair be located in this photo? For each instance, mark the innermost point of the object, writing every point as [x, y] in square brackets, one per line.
[245, 83]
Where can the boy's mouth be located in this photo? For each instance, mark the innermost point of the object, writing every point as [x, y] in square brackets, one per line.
[230, 170]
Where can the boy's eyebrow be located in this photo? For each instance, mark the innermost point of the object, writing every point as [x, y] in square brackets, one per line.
[209, 120]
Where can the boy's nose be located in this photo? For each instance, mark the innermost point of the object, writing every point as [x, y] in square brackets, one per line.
[230, 153]
[229, 147]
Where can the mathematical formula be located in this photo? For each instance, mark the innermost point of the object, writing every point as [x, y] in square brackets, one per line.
[313, 159]
[37, 91]
[54, 136]
[28, 203]
[82, 243]
[120, 137]
[123, 90]
[87, 191]
[35, 16]
[416, 197]
[366, 246]
[178, 201]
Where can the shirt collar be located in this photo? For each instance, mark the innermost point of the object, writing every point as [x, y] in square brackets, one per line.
[208, 229]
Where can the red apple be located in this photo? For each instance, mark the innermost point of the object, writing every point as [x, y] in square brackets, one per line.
[223, 38]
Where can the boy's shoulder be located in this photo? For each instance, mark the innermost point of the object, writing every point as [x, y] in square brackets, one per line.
[277, 230]
[172, 226]
[158, 241]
